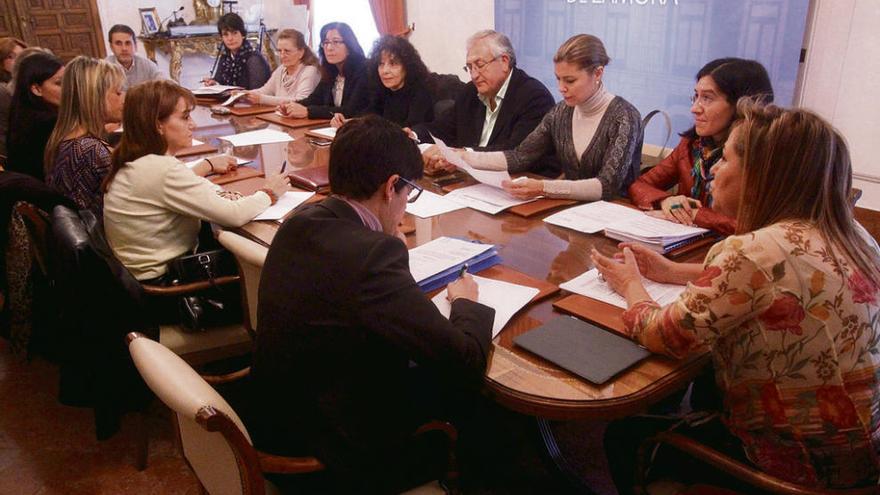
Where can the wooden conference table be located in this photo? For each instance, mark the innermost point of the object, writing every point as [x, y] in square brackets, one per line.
[516, 378]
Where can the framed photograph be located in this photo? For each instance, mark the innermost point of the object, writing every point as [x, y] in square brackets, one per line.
[149, 20]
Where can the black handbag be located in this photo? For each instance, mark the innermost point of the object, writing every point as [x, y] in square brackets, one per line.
[216, 306]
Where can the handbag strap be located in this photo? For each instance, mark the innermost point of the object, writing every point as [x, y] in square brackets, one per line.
[668, 122]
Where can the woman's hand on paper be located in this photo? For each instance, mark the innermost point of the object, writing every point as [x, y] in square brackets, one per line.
[624, 277]
[524, 188]
[279, 184]
[465, 287]
[293, 110]
[207, 81]
[680, 209]
[221, 164]
[651, 264]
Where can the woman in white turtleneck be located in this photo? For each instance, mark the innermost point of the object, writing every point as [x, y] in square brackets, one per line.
[596, 136]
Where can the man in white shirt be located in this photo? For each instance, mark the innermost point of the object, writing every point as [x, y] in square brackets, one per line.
[496, 110]
[137, 69]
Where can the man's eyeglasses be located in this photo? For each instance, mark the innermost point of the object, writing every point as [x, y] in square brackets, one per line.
[414, 192]
[333, 43]
[478, 66]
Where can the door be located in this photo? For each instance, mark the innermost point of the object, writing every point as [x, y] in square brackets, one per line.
[8, 20]
[67, 27]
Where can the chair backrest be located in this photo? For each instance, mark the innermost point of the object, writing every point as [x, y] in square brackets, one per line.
[215, 442]
[250, 257]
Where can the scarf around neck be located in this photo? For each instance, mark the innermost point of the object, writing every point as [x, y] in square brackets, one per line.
[233, 67]
[706, 153]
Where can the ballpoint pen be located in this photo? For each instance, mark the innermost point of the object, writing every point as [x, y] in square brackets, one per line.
[464, 269]
[283, 166]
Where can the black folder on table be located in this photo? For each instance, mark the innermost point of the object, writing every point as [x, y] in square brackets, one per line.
[582, 348]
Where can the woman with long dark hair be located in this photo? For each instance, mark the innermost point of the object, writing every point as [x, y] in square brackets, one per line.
[720, 84]
[398, 80]
[343, 86]
[34, 110]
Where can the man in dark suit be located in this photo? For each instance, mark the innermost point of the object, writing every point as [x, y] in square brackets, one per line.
[496, 110]
[349, 351]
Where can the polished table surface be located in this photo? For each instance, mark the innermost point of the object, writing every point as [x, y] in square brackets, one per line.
[515, 378]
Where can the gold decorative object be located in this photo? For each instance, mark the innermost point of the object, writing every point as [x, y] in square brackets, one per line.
[205, 12]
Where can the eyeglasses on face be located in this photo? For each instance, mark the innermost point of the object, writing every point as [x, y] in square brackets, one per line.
[334, 43]
[703, 100]
[414, 192]
[478, 66]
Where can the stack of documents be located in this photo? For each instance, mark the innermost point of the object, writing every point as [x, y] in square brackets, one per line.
[659, 235]
[590, 285]
[505, 298]
[593, 217]
[436, 263]
[488, 196]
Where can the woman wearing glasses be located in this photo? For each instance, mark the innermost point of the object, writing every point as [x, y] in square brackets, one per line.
[720, 83]
[343, 86]
[595, 135]
[297, 75]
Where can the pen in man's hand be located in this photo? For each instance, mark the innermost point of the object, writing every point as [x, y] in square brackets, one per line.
[464, 269]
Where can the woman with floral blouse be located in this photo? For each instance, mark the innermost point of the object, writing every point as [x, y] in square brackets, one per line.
[788, 307]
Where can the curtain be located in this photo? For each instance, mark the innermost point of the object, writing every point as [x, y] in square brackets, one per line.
[390, 17]
[307, 3]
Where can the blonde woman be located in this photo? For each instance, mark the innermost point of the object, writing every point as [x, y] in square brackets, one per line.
[295, 78]
[77, 157]
[595, 135]
[789, 308]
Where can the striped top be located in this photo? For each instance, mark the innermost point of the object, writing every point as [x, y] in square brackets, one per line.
[80, 166]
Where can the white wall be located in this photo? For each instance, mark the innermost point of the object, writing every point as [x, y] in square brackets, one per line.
[277, 14]
[841, 83]
[442, 28]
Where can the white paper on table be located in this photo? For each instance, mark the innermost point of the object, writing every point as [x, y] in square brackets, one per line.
[285, 204]
[238, 161]
[430, 204]
[327, 132]
[196, 142]
[505, 298]
[231, 99]
[590, 285]
[592, 217]
[491, 177]
[263, 136]
[213, 90]
[650, 229]
[442, 254]
[485, 198]
[423, 147]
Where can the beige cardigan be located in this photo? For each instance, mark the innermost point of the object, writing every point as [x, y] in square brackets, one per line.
[301, 85]
[153, 209]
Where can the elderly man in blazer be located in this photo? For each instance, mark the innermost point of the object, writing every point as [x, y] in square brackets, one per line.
[350, 354]
[496, 110]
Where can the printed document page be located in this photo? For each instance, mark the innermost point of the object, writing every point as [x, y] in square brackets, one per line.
[285, 204]
[263, 136]
[590, 285]
[649, 229]
[441, 254]
[504, 297]
[592, 217]
[485, 198]
[430, 204]
[490, 177]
